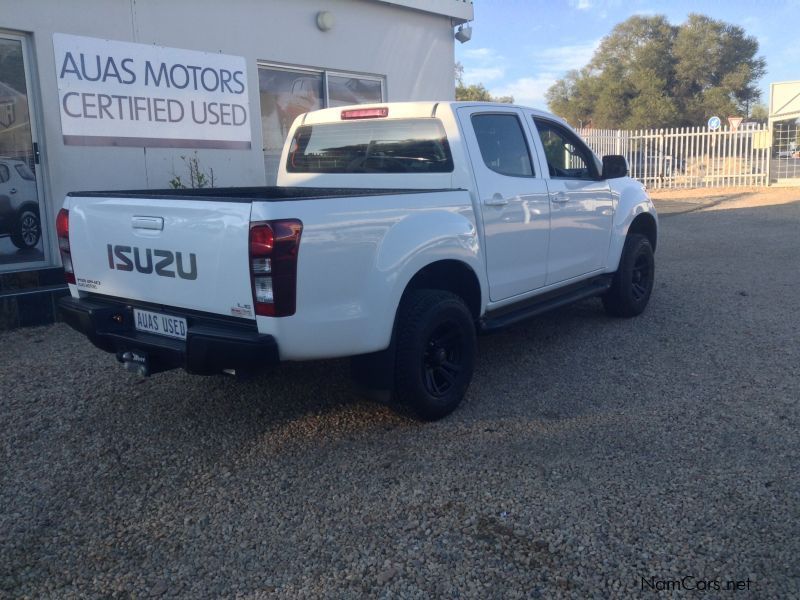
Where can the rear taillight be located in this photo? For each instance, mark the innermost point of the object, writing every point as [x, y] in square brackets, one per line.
[62, 231]
[273, 266]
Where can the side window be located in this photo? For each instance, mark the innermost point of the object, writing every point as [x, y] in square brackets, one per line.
[502, 143]
[566, 157]
[4, 174]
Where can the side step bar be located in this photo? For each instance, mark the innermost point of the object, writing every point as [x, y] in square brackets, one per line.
[509, 315]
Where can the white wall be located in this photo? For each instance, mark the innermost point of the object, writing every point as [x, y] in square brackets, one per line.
[784, 100]
[413, 49]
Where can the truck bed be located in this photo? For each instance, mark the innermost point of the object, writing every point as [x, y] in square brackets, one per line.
[252, 194]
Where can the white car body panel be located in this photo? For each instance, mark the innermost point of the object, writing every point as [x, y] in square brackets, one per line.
[516, 215]
[630, 200]
[356, 257]
[215, 232]
[580, 228]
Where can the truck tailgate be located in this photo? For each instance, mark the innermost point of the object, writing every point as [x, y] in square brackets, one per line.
[180, 253]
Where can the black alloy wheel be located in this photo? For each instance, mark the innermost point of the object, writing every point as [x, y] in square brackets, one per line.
[442, 362]
[640, 278]
[633, 282]
[435, 352]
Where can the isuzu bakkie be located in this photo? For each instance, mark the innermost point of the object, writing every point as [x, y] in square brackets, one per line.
[396, 234]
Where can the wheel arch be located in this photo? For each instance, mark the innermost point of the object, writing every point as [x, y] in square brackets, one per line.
[374, 372]
[28, 205]
[645, 224]
[449, 275]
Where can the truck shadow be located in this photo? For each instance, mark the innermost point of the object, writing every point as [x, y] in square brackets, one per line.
[318, 397]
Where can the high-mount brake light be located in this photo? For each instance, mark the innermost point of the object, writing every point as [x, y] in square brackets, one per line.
[62, 232]
[365, 113]
[273, 250]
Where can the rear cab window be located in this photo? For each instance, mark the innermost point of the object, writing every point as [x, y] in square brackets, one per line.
[371, 146]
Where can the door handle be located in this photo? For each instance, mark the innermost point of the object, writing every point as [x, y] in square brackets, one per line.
[12, 191]
[559, 198]
[496, 200]
[155, 223]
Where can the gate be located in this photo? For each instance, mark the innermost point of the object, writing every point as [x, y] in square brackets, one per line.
[689, 157]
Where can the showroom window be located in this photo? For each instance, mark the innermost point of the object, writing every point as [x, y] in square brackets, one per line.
[288, 92]
[22, 243]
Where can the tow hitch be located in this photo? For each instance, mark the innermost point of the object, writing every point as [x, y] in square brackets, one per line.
[135, 362]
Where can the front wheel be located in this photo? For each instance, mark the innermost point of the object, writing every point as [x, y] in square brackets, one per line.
[633, 282]
[27, 231]
[435, 352]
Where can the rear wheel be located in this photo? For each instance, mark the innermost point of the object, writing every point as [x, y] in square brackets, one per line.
[633, 282]
[435, 352]
[27, 231]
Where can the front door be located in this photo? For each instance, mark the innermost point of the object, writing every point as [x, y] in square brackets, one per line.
[21, 240]
[581, 205]
[513, 198]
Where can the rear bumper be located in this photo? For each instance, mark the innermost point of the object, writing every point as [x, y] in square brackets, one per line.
[211, 344]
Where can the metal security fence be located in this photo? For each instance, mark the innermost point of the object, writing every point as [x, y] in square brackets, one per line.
[689, 157]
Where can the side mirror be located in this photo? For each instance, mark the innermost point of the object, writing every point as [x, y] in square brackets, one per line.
[614, 166]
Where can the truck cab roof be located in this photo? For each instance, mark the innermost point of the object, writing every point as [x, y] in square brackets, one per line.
[409, 110]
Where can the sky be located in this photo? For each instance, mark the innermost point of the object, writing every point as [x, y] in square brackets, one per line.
[520, 47]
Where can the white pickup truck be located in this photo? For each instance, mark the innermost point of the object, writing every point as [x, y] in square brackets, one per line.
[396, 234]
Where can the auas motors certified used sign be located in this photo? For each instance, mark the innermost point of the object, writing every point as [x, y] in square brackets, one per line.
[126, 94]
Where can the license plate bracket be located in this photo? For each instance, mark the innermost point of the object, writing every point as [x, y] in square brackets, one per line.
[158, 323]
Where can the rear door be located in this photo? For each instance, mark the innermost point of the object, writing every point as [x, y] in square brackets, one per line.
[513, 199]
[176, 252]
[581, 206]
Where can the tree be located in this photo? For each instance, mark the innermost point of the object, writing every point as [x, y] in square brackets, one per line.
[718, 68]
[759, 112]
[648, 73]
[475, 92]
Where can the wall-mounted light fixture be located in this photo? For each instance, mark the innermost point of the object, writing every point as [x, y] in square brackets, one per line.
[324, 20]
[464, 34]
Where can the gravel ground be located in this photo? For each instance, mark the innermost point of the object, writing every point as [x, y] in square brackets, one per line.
[590, 454]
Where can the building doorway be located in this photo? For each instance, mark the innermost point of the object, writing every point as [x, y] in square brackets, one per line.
[22, 218]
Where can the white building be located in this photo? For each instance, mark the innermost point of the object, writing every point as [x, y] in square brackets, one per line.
[784, 122]
[91, 92]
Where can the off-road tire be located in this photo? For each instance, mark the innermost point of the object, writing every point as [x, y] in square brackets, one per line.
[633, 282]
[435, 353]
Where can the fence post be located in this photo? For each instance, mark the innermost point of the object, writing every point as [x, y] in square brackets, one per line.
[769, 154]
